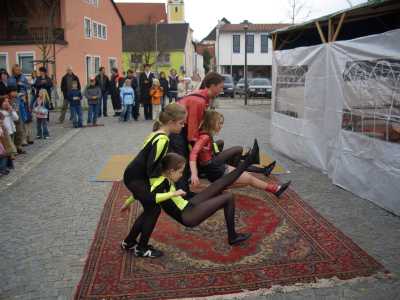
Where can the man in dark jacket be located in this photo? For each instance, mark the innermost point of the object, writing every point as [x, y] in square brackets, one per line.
[116, 82]
[134, 84]
[66, 87]
[103, 83]
[145, 83]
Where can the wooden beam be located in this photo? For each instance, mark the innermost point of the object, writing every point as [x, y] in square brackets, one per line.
[321, 34]
[330, 30]
[339, 27]
[274, 37]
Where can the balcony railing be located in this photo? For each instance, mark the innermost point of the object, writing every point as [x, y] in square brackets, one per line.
[32, 35]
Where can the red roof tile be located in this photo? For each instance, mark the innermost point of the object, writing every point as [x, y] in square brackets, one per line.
[253, 27]
[142, 13]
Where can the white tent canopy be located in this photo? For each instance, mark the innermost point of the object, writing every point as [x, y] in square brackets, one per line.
[336, 107]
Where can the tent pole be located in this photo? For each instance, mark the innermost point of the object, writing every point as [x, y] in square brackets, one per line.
[339, 27]
[321, 34]
[330, 30]
[274, 36]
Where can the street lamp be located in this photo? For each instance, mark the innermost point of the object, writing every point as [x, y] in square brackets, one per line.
[156, 44]
[245, 27]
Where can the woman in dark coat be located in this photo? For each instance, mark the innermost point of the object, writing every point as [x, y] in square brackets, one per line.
[145, 83]
[116, 82]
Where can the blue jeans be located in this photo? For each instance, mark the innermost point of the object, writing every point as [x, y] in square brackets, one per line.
[41, 127]
[92, 114]
[76, 115]
[126, 112]
[3, 163]
[103, 103]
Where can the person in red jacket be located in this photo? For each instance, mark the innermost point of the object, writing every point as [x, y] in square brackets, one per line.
[195, 104]
[204, 160]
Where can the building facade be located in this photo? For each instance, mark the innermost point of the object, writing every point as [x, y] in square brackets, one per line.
[176, 11]
[230, 49]
[87, 34]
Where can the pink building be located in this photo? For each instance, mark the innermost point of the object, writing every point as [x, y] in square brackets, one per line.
[86, 34]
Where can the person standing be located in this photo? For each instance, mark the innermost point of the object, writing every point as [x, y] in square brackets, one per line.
[165, 86]
[103, 82]
[131, 75]
[66, 87]
[3, 83]
[145, 83]
[173, 85]
[116, 83]
[93, 95]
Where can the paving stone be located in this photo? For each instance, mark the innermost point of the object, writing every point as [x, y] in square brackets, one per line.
[49, 216]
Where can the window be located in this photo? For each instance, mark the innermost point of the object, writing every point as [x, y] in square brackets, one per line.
[104, 32]
[264, 43]
[25, 60]
[236, 43]
[250, 43]
[96, 64]
[92, 2]
[94, 25]
[4, 60]
[164, 58]
[112, 63]
[87, 27]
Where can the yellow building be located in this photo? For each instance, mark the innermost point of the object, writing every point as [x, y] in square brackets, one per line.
[176, 11]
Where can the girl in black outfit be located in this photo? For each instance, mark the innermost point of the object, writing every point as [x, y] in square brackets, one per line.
[139, 172]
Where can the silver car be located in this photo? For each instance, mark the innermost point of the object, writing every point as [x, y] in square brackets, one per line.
[260, 87]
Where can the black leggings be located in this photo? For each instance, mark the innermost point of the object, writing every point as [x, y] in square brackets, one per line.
[232, 156]
[145, 223]
[208, 201]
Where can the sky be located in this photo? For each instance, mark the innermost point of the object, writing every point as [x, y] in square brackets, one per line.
[203, 15]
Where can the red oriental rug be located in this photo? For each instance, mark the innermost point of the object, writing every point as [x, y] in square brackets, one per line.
[291, 243]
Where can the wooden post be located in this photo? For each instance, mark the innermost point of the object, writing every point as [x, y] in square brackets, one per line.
[339, 27]
[274, 37]
[321, 34]
[329, 30]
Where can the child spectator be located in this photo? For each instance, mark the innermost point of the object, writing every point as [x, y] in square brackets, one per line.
[127, 95]
[3, 152]
[18, 105]
[75, 99]
[93, 95]
[156, 92]
[41, 112]
[8, 116]
[181, 88]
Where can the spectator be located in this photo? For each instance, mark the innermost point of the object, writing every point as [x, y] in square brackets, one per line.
[145, 84]
[93, 95]
[4, 157]
[181, 88]
[156, 92]
[165, 87]
[173, 85]
[17, 103]
[103, 82]
[41, 113]
[116, 82]
[132, 76]
[3, 83]
[75, 98]
[10, 116]
[19, 80]
[66, 87]
[127, 99]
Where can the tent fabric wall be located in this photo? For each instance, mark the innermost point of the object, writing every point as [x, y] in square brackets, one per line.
[339, 117]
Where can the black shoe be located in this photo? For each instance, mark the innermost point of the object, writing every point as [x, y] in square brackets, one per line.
[126, 246]
[4, 172]
[240, 237]
[31, 142]
[149, 251]
[283, 188]
[20, 151]
[268, 169]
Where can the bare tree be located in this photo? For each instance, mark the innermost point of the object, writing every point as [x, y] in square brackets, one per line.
[298, 10]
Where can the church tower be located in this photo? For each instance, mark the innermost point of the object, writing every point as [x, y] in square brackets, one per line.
[176, 11]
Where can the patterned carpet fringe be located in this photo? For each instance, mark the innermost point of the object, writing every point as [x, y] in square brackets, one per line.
[280, 289]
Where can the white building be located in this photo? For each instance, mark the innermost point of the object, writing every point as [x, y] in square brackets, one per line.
[230, 51]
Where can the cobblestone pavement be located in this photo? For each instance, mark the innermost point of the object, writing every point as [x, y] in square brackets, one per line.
[50, 213]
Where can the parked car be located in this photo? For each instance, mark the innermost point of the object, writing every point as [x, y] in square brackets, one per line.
[260, 87]
[239, 89]
[229, 86]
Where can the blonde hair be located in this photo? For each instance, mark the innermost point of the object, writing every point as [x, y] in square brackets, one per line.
[46, 97]
[210, 119]
[172, 112]
[156, 82]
